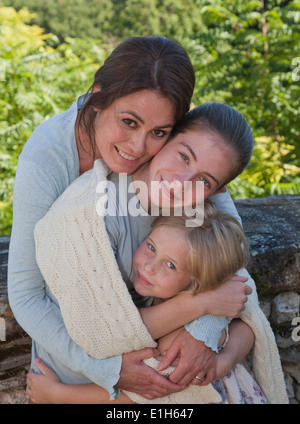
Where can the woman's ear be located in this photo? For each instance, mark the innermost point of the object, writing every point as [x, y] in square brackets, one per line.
[96, 89]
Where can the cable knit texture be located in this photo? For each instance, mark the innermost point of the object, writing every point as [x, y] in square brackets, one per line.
[76, 259]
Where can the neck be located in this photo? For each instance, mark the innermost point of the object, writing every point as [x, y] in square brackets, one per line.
[141, 177]
[85, 151]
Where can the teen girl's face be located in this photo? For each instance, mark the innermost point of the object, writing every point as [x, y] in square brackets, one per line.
[133, 129]
[160, 264]
[193, 156]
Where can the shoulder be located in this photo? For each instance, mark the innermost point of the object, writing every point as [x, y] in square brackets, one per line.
[54, 136]
[224, 202]
[52, 149]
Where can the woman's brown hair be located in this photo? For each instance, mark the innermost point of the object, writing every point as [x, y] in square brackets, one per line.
[139, 63]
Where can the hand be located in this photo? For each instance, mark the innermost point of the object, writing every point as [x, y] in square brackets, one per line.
[41, 387]
[137, 377]
[229, 299]
[195, 359]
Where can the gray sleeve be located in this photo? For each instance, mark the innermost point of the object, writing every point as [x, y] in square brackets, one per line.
[224, 202]
[34, 193]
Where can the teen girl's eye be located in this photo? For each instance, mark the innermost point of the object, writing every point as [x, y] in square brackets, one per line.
[171, 265]
[184, 157]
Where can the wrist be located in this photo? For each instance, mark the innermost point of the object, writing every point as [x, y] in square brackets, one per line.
[224, 364]
[200, 304]
[58, 394]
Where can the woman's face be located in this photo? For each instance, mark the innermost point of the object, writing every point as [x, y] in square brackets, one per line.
[133, 129]
[191, 156]
[160, 264]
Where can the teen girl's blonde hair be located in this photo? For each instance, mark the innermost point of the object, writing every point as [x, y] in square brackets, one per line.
[217, 249]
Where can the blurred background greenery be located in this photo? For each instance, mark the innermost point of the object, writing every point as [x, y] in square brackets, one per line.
[245, 54]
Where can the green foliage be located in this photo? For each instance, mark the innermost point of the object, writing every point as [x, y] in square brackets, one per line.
[244, 59]
[245, 54]
[38, 81]
[68, 18]
[114, 20]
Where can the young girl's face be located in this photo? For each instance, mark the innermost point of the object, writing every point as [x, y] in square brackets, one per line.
[160, 264]
[191, 156]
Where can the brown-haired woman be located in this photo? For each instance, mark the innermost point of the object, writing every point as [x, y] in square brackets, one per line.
[144, 86]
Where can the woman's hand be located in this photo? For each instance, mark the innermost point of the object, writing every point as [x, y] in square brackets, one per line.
[195, 359]
[137, 377]
[42, 388]
[229, 299]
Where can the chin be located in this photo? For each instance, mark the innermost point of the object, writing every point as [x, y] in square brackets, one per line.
[121, 168]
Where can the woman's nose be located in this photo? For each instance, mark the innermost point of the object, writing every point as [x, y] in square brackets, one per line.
[138, 143]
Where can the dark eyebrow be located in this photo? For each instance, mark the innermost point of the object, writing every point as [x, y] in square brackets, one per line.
[189, 149]
[195, 158]
[212, 177]
[133, 114]
[130, 112]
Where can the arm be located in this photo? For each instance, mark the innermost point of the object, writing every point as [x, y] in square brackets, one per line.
[196, 358]
[34, 192]
[227, 300]
[241, 340]
[204, 364]
[46, 388]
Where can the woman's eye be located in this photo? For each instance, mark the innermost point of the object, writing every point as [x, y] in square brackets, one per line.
[184, 157]
[130, 123]
[159, 133]
[171, 265]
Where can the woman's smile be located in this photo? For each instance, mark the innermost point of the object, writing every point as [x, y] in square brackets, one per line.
[126, 156]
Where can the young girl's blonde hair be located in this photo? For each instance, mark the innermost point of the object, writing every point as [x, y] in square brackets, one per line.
[217, 249]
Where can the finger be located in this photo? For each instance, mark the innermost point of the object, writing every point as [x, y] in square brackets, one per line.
[207, 378]
[158, 386]
[169, 356]
[183, 374]
[29, 377]
[181, 378]
[28, 391]
[147, 353]
[248, 290]
[43, 368]
[240, 278]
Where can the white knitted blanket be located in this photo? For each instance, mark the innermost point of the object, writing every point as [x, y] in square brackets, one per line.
[75, 257]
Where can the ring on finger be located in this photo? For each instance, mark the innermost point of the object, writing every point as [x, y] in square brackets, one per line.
[200, 378]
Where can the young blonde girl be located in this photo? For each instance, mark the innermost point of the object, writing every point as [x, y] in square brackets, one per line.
[216, 249]
[172, 259]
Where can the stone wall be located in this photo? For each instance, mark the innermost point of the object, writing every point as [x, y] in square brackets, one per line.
[272, 226]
